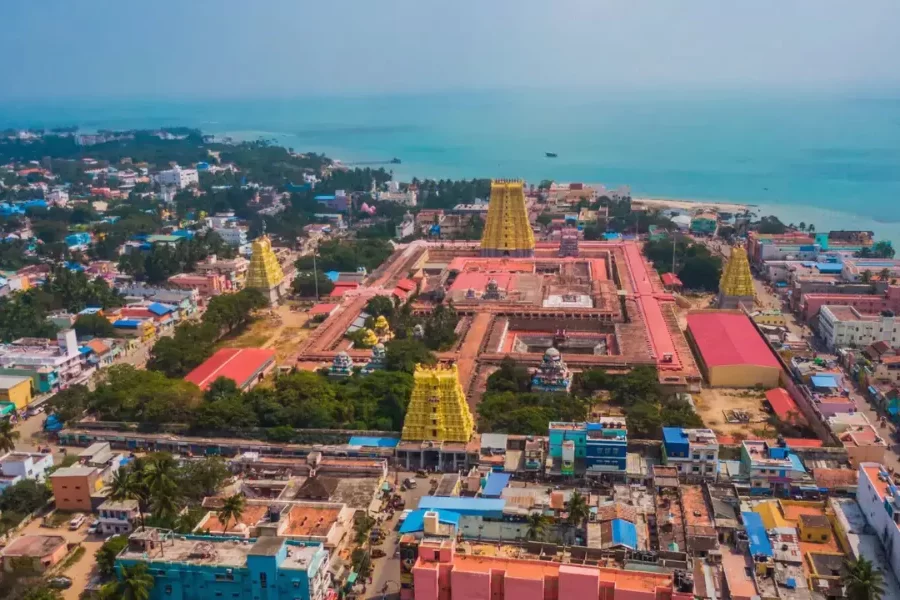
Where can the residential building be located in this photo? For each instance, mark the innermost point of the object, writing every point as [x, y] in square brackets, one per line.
[762, 247]
[598, 448]
[233, 270]
[57, 364]
[442, 571]
[407, 198]
[58, 197]
[810, 304]
[887, 369]
[74, 486]
[35, 553]
[879, 500]
[191, 567]
[177, 177]
[16, 466]
[694, 452]
[205, 285]
[117, 517]
[406, 228]
[232, 234]
[338, 201]
[771, 468]
[845, 241]
[704, 224]
[843, 326]
[16, 389]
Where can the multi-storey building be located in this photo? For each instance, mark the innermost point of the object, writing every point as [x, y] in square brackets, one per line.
[879, 500]
[601, 446]
[772, 469]
[16, 466]
[843, 326]
[177, 177]
[55, 365]
[694, 452]
[117, 517]
[190, 567]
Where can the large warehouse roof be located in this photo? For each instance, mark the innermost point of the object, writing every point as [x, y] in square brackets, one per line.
[237, 364]
[729, 338]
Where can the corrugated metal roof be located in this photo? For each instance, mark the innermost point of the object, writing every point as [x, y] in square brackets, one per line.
[415, 521]
[495, 484]
[376, 442]
[463, 506]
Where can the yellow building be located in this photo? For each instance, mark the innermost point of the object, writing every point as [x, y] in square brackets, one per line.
[264, 272]
[16, 389]
[507, 231]
[438, 410]
[736, 284]
[771, 318]
[814, 528]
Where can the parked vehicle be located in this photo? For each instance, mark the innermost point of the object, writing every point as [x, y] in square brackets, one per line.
[77, 521]
[59, 583]
[410, 483]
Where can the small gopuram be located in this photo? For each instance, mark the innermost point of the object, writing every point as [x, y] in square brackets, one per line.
[553, 375]
[264, 272]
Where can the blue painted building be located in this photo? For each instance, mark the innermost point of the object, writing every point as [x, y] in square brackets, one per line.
[186, 567]
[601, 445]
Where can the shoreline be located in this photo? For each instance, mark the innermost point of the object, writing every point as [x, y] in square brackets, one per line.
[691, 204]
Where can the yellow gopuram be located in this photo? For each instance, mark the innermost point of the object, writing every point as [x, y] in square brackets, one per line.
[264, 272]
[736, 285]
[507, 231]
[437, 410]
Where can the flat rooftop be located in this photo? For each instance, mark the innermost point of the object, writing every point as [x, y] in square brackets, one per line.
[309, 521]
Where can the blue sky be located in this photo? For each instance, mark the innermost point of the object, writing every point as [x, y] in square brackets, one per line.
[206, 48]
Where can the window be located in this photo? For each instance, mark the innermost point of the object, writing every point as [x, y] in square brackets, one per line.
[168, 590]
[262, 581]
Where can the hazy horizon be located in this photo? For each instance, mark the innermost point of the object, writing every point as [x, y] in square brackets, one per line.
[200, 50]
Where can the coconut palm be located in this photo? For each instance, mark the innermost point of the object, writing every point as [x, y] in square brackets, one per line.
[160, 479]
[866, 276]
[537, 523]
[232, 508]
[577, 508]
[135, 584]
[861, 581]
[8, 437]
[127, 485]
[884, 275]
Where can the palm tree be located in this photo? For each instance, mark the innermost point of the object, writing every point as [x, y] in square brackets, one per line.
[811, 228]
[127, 485]
[135, 584]
[866, 276]
[159, 477]
[232, 508]
[537, 522]
[578, 509]
[8, 437]
[884, 275]
[861, 581]
[802, 226]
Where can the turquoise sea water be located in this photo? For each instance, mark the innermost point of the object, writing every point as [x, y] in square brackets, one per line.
[829, 160]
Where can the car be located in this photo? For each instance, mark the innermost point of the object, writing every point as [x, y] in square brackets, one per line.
[94, 529]
[77, 521]
[59, 583]
[410, 483]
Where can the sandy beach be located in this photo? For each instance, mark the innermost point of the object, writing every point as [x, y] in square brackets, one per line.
[692, 205]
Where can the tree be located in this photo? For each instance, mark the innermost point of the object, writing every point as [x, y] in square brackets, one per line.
[771, 224]
[537, 524]
[862, 581]
[510, 377]
[232, 508]
[106, 554]
[304, 284]
[161, 480]
[24, 497]
[380, 306]
[198, 479]
[8, 436]
[802, 226]
[128, 484]
[701, 273]
[42, 592]
[884, 275]
[136, 583]
[577, 508]
[94, 325]
[440, 327]
[404, 355]
[883, 249]
[866, 276]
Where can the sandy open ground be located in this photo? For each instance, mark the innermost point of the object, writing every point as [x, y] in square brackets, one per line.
[662, 203]
[712, 403]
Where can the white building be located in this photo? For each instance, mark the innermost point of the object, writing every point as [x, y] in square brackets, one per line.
[167, 194]
[694, 452]
[16, 466]
[844, 326]
[406, 228]
[58, 364]
[232, 235]
[58, 197]
[117, 517]
[407, 198]
[177, 177]
[879, 500]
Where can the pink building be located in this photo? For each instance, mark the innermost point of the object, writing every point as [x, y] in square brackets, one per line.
[441, 573]
[864, 303]
[829, 406]
[206, 285]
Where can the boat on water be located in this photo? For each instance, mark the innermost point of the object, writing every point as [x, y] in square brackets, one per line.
[395, 161]
[550, 154]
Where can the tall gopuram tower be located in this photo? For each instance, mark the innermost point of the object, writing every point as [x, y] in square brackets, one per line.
[437, 410]
[507, 231]
[736, 285]
[264, 272]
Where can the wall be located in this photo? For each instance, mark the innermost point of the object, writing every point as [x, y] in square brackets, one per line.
[877, 516]
[73, 493]
[19, 394]
[743, 376]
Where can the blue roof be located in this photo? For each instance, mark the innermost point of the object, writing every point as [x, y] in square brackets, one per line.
[127, 324]
[824, 381]
[325, 197]
[90, 310]
[674, 435]
[796, 463]
[463, 506]
[415, 521]
[158, 308]
[84, 350]
[332, 275]
[624, 533]
[829, 267]
[495, 484]
[376, 442]
[759, 541]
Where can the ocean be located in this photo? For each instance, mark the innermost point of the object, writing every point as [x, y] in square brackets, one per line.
[832, 160]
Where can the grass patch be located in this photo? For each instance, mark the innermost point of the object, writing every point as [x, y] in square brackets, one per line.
[72, 558]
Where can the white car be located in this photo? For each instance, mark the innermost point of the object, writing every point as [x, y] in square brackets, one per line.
[77, 521]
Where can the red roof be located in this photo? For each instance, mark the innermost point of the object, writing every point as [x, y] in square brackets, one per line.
[783, 405]
[407, 285]
[803, 443]
[729, 339]
[670, 279]
[341, 288]
[322, 309]
[240, 365]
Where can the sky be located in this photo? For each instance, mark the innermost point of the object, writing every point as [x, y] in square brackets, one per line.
[241, 48]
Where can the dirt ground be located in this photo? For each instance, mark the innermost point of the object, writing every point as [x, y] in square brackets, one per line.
[712, 403]
[697, 302]
[281, 328]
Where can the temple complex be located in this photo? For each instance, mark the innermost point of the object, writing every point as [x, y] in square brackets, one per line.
[437, 410]
[341, 366]
[568, 242]
[553, 375]
[507, 231]
[376, 362]
[736, 285]
[264, 272]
